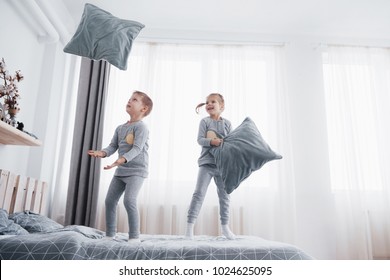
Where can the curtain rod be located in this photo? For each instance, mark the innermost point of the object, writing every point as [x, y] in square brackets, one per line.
[357, 45]
[173, 40]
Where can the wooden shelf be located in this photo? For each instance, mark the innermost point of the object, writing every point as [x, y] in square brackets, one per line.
[9, 135]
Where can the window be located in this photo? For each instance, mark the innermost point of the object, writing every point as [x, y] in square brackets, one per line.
[357, 101]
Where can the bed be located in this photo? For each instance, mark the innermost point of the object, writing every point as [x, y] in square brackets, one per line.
[27, 234]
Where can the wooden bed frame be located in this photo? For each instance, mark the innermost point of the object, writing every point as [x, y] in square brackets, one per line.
[19, 193]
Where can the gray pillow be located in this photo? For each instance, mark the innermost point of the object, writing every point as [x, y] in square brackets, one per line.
[8, 227]
[33, 222]
[242, 152]
[100, 35]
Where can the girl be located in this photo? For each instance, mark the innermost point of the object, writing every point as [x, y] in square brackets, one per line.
[131, 141]
[211, 131]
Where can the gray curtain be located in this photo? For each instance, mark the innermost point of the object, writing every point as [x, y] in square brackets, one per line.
[81, 204]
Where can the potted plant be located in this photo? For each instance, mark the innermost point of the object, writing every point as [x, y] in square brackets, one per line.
[9, 92]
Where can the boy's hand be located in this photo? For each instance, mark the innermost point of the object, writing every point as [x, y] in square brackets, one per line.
[95, 154]
[119, 161]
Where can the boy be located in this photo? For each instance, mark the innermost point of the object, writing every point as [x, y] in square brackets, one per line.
[131, 141]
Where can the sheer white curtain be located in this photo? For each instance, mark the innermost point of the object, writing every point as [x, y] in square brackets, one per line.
[357, 89]
[63, 148]
[178, 77]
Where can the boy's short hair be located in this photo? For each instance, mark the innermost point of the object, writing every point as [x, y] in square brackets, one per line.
[146, 100]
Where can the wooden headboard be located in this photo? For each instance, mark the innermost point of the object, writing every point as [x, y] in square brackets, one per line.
[19, 193]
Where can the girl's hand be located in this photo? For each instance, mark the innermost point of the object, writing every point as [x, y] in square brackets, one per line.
[216, 142]
[95, 154]
[118, 162]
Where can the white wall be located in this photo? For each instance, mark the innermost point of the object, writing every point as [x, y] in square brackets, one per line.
[21, 51]
[28, 46]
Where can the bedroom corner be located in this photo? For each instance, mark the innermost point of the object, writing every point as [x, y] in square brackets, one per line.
[34, 43]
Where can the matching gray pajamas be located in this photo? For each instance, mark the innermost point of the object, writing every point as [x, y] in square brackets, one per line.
[208, 170]
[131, 142]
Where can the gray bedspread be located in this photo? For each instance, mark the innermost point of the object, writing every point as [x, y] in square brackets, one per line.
[84, 243]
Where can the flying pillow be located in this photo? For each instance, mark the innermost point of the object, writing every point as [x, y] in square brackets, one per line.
[100, 35]
[242, 152]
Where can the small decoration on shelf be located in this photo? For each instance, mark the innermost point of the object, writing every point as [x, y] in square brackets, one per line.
[20, 126]
[10, 94]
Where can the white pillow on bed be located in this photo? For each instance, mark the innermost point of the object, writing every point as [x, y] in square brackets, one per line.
[243, 151]
[100, 35]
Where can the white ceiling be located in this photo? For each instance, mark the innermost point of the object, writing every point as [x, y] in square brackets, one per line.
[340, 18]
